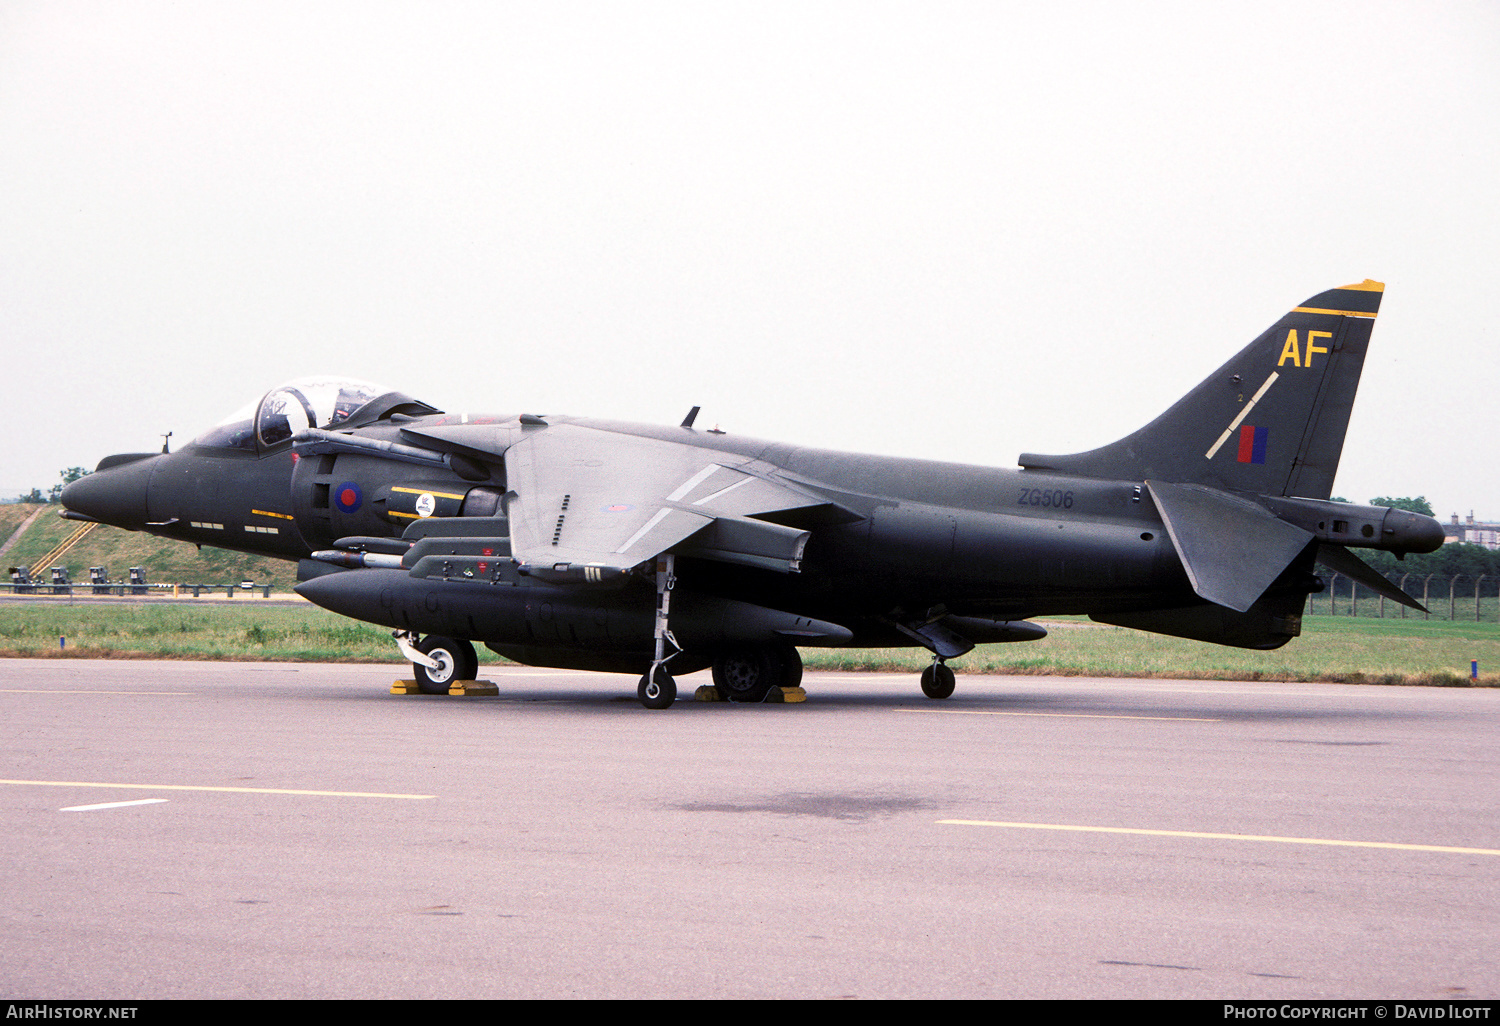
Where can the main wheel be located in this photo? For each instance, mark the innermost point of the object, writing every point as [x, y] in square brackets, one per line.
[938, 681]
[749, 672]
[791, 667]
[657, 690]
[456, 661]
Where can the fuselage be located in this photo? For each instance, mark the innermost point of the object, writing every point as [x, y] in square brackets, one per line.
[911, 535]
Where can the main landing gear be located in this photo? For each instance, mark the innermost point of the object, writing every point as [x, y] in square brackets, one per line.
[745, 673]
[748, 673]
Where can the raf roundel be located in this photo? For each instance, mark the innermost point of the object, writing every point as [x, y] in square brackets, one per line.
[348, 497]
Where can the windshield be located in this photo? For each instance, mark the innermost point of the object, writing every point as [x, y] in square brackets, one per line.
[320, 402]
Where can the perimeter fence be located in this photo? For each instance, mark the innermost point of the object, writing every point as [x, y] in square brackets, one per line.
[1447, 597]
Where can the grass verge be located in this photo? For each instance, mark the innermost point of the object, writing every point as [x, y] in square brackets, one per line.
[1333, 649]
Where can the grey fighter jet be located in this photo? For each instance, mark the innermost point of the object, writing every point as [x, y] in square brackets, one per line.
[655, 551]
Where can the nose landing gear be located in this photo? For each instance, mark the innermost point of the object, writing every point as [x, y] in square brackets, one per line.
[437, 662]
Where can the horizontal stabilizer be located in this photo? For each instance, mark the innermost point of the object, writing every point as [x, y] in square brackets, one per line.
[1341, 561]
[1231, 549]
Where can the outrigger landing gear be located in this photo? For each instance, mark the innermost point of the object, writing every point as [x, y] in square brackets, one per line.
[657, 689]
[938, 680]
[942, 641]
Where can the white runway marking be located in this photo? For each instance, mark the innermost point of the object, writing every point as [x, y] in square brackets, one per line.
[114, 805]
[1223, 837]
[197, 787]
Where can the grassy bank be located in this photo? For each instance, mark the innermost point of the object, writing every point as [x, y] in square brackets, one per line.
[1331, 648]
[165, 560]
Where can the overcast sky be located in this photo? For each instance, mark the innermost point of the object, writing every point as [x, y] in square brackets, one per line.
[959, 231]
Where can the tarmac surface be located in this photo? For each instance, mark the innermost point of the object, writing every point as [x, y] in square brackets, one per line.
[306, 834]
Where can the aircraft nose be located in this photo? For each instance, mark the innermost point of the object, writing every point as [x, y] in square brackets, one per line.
[114, 494]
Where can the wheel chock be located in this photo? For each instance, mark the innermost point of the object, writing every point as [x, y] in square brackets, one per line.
[459, 687]
[473, 687]
[709, 693]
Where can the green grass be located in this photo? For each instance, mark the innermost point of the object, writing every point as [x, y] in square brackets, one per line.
[163, 630]
[1337, 649]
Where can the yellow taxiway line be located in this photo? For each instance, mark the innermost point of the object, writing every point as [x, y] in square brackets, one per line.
[195, 787]
[1223, 837]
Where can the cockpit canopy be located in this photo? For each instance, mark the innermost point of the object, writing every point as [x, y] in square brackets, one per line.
[313, 402]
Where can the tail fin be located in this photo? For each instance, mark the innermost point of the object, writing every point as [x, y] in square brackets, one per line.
[1270, 421]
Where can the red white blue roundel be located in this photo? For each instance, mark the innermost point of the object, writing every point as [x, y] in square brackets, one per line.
[619, 507]
[347, 497]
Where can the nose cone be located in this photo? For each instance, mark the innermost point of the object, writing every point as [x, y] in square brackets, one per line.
[115, 494]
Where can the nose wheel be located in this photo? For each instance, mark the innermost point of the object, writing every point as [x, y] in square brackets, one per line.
[938, 680]
[455, 660]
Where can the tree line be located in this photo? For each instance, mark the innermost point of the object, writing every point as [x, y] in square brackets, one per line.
[54, 494]
[1458, 559]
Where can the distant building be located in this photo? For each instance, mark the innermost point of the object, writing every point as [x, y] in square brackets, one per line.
[1472, 531]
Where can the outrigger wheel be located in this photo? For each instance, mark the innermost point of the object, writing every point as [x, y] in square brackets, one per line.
[456, 661]
[657, 689]
[938, 680]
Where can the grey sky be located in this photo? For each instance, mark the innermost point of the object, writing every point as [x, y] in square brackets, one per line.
[956, 231]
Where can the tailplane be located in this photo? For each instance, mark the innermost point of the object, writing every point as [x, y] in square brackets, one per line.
[1271, 421]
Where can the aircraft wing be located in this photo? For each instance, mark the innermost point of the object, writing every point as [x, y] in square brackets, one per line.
[587, 504]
